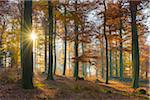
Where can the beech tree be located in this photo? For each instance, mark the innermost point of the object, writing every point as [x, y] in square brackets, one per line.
[27, 46]
[135, 46]
[50, 21]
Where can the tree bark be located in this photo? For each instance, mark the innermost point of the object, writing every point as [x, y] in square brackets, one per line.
[110, 56]
[135, 47]
[121, 52]
[27, 60]
[105, 36]
[50, 20]
[76, 48]
[65, 41]
[55, 62]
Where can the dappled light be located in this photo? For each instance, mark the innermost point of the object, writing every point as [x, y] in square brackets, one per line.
[74, 50]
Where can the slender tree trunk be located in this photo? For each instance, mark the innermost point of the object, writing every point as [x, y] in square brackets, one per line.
[27, 59]
[50, 20]
[55, 62]
[135, 47]
[102, 59]
[106, 44]
[116, 61]
[110, 57]
[83, 67]
[121, 52]
[65, 48]
[76, 47]
[110, 65]
[69, 60]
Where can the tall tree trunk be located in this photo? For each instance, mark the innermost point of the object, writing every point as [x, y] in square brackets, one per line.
[135, 47]
[76, 47]
[27, 57]
[106, 43]
[116, 61]
[102, 58]
[121, 52]
[110, 56]
[65, 41]
[50, 20]
[55, 62]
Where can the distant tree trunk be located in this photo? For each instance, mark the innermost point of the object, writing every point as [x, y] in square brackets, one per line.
[83, 67]
[102, 58]
[97, 73]
[121, 52]
[110, 65]
[106, 44]
[69, 59]
[76, 47]
[5, 59]
[116, 61]
[55, 62]
[50, 20]
[27, 59]
[110, 57]
[135, 46]
[65, 41]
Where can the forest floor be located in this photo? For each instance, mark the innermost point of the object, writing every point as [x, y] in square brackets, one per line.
[63, 88]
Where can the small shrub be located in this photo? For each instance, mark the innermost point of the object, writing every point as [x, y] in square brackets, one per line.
[141, 91]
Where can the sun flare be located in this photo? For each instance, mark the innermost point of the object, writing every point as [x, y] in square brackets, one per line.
[33, 36]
